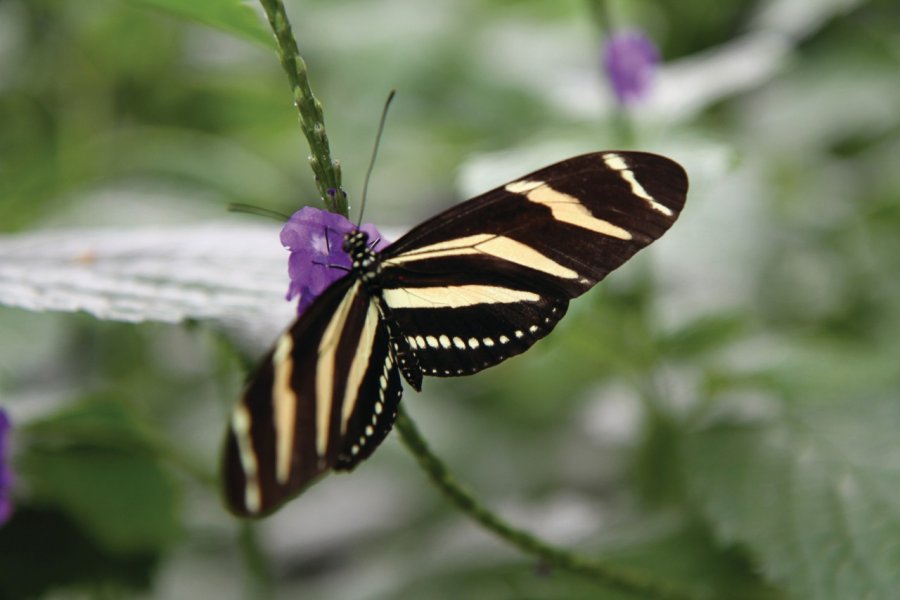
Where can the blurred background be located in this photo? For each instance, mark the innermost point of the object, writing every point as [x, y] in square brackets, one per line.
[721, 413]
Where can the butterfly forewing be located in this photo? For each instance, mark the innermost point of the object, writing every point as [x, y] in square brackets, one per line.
[585, 206]
[486, 279]
[463, 291]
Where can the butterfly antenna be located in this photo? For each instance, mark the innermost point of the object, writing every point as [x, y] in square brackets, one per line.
[238, 207]
[384, 111]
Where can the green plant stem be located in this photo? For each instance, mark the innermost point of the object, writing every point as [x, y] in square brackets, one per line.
[179, 458]
[622, 124]
[312, 119]
[616, 577]
[259, 584]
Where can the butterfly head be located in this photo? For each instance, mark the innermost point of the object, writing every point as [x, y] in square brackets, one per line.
[364, 259]
[355, 241]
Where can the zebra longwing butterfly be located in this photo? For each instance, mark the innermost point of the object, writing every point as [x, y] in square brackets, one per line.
[463, 291]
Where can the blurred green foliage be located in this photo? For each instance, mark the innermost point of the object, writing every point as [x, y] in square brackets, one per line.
[725, 408]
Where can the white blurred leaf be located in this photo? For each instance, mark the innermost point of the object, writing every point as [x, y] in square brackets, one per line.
[687, 86]
[235, 275]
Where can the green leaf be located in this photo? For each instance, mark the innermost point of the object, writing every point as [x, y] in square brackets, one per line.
[93, 462]
[231, 16]
[99, 420]
[685, 557]
[104, 490]
[44, 550]
[812, 495]
[703, 335]
[690, 558]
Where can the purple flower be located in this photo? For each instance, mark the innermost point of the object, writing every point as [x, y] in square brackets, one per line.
[6, 474]
[630, 59]
[315, 238]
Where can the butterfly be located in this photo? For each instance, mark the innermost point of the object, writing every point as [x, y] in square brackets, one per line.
[467, 289]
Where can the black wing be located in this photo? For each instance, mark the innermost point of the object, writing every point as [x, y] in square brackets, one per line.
[323, 398]
[487, 278]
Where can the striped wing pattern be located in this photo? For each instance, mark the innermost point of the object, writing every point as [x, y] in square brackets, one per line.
[463, 291]
[323, 398]
[486, 279]
[471, 320]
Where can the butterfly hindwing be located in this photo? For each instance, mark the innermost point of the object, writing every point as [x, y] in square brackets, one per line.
[461, 319]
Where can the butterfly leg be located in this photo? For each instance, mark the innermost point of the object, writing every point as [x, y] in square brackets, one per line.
[404, 355]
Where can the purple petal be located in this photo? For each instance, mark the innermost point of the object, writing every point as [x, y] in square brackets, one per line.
[315, 238]
[630, 59]
[5, 426]
[376, 240]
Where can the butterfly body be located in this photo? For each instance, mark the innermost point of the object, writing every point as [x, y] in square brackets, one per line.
[461, 292]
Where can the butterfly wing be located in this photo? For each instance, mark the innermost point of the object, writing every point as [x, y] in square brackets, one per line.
[323, 398]
[487, 278]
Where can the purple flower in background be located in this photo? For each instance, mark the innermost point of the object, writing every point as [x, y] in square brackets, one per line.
[315, 238]
[6, 474]
[630, 59]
